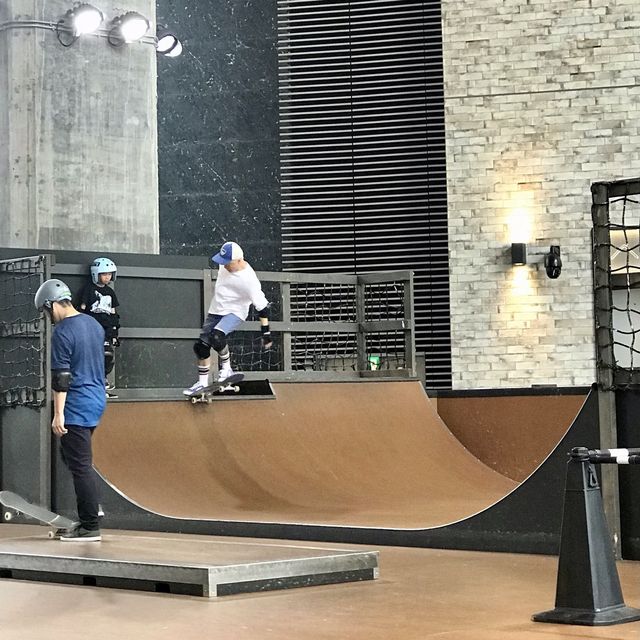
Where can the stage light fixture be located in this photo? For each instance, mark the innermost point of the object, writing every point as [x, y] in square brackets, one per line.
[129, 27]
[83, 18]
[168, 44]
[86, 19]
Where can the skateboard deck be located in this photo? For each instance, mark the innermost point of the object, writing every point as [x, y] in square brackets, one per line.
[16, 505]
[206, 394]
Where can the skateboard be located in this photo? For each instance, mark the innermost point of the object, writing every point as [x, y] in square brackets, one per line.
[17, 505]
[206, 394]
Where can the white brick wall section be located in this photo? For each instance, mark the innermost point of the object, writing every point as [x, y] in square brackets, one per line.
[541, 100]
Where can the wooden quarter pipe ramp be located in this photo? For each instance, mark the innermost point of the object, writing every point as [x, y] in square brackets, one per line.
[355, 454]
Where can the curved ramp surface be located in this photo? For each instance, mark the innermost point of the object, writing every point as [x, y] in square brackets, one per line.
[370, 454]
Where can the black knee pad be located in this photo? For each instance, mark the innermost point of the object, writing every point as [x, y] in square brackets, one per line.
[109, 358]
[201, 349]
[219, 340]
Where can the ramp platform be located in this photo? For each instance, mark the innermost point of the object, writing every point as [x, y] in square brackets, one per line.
[182, 564]
[364, 462]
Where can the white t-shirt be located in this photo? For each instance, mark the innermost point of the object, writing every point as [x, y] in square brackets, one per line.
[236, 292]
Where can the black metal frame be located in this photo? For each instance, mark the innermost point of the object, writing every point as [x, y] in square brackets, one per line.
[288, 328]
[608, 373]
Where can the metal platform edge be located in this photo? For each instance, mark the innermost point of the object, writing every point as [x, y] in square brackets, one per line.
[173, 394]
[201, 580]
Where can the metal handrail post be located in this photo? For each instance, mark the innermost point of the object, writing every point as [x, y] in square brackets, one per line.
[409, 331]
[285, 297]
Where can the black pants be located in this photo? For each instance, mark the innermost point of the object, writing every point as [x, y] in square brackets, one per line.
[75, 447]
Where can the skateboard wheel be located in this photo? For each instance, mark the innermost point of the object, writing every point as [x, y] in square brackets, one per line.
[51, 535]
[8, 515]
[194, 400]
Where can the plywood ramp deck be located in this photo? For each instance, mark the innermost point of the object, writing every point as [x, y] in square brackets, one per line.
[355, 454]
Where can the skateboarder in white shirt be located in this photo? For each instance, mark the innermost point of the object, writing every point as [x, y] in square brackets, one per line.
[237, 288]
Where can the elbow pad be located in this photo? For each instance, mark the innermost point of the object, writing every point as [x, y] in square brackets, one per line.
[61, 380]
[264, 313]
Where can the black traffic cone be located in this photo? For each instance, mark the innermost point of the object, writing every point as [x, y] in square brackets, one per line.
[588, 590]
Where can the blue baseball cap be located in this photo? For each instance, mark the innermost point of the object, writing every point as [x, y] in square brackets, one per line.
[228, 251]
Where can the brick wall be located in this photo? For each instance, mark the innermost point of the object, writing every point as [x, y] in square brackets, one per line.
[542, 99]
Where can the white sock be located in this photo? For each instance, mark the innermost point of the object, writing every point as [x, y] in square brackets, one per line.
[203, 375]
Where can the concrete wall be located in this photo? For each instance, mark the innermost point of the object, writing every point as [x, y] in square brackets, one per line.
[542, 99]
[78, 154]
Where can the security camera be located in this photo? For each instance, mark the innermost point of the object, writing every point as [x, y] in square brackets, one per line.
[552, 262]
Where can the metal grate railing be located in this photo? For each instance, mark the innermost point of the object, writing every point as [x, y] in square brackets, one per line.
[22, 338]
[326, 326]
[616, 252]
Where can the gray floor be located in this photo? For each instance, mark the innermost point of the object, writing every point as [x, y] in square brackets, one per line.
[421, 594]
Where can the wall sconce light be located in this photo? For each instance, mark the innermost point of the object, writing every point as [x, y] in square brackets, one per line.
[167, 43]
[129, 27]
[518, 253]
[552, 261]
[83, 18]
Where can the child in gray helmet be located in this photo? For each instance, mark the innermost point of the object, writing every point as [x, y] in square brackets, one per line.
[77, 383]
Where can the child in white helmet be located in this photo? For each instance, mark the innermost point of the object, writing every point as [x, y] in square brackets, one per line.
[237, 288]
[99, 300]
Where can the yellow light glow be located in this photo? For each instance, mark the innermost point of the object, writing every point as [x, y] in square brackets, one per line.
[519, 226]
[520, 220]
[521, 285]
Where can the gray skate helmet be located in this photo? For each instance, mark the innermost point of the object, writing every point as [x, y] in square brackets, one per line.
[49, 292]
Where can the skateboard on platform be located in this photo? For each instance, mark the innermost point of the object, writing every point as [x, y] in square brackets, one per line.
[16, 505]
[230, 385]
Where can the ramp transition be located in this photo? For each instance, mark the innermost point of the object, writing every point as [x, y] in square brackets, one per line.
[372, 454]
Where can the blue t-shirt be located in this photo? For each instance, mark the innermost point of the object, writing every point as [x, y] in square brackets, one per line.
[77, 344]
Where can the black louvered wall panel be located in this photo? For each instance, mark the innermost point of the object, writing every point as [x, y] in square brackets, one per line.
[362, 143]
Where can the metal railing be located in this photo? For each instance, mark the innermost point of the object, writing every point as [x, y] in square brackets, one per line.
[326, 326]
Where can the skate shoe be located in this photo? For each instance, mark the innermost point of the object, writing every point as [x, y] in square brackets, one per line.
[80, 534]
[60, 532]
[225, 374]
[194, 389]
